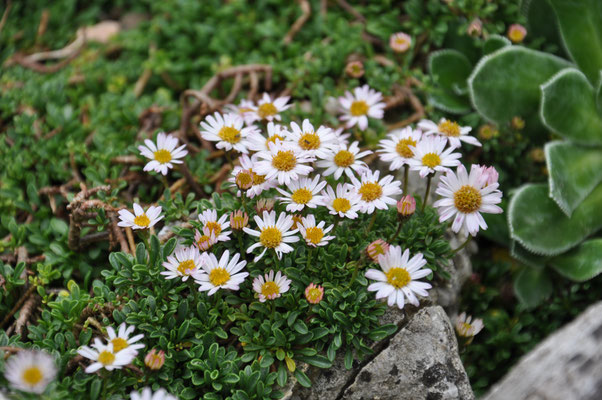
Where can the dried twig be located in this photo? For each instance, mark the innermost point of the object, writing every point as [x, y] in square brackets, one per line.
[347, 7]
[25, 313]
[17, 306]
[306, 13]
[9, 4]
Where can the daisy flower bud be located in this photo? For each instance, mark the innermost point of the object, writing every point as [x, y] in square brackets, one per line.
[488, 131]
[377, 248]
[264, 205]
[244, 179]
[30, 371]
[475, 28]
[239, 219]
[355, 69]
[205, 240]
[517, 33]
[406, 206]
[400, 42]
[466, 327]
[154, 359]
[314, 293]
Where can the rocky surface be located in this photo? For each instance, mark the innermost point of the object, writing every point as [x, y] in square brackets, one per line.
[566, 366]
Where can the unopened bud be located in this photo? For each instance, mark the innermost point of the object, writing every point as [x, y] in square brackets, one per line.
[155, 359]
[517, 33]
[377, 248]
[406, 206]
[355, 69]
[239, 219]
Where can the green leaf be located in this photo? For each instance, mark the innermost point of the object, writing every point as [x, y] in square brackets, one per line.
[568, 108]
[449, 102]
[494, 43]
[450, 69]
[574, 172]
[317, 361]
[540, 23]
[183, 329]
[348, 359]
[506, 84]
[580, 23]
[526, 257]
[282, 376]
[539, 225]
[302, 378]
[95, 388]
[532, 286]
[582, 263]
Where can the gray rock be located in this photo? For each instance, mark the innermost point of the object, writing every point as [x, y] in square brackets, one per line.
[566, 366]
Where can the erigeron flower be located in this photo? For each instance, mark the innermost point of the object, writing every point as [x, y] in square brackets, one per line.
[30, 371]
[303, 193]
[227, 130]
[284, 162]
[466, 197]
[430, 156]
[258, 142]
[313, 293]
[375, 192]
[466, 327]
[122, 341]
[104, 356]
[398, 279]
[263, 205]
[243, 179]
[147, 394]
[344, 159]
[488, 131]
[376, 249]
[355, 69]
[184, 263]
[154, 360]
[269, 287]
[315, 142]
[164, 154]
[239, 219]
[314, 234]
[396, 149]
[344, 203]
[450, 130]
[342, 137]
[273, 234]
[223, 274]
[246, 110]
[269, 109]
[490, 174]
[400, 42]
[363, 103]
[217, 226]
[406, 206]
[517, 33]
[205, 240]
[258, 183]
[140, 219]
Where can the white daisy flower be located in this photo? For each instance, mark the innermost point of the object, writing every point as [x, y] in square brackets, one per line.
[344, 203]
[258, 182]
[430, 156]
[342, 138]
[246, 110]
[303, 193]
[204, 240]
[104, 356]
[269, 110]
[258, 142]
[227, 130]
[466, 327]
[317, 143]
[396, 148]
[185, 262]
[122, 340]
[314, 234]
[30, 371]
[140, 219]
[283, 161]
[466, 197]
[344, 159]
[269, 287]
[164, 154]
[398, 279]
[217, 226]
[363, 103]
[375, 193]
[221, 275]
[273, 234]
[450, 130]
[147, 394]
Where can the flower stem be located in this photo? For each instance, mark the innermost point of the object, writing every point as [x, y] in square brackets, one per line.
[371, 222]
[310, 252]
[456, 250]
[240, 245]
[428, 189]
[394, 237]
[244, 200]
[406, 174]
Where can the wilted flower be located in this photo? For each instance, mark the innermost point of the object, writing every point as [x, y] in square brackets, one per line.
[406, 206]
[355, 69]
[466, 327]
[154, 359]
[377, 248]
[400, 42]
[30, 371]
[314, 293]
[517, 33]
[239, 219]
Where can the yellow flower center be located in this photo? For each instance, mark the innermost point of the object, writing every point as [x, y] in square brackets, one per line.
[302, 196]
[309, 141]
[516, 35]
[449, 128]
[431, 160]
[229, 134]
[202, 240]
[272, 139]
[370, 191]
[314, 234]
[313, 295]
[398, 277]
[32, 376]
[244, 179]
[186, 267]
[214, 227]
[119, 344]
[401, 41]
[163, 156]
[257, 179]
[403, 147]
[266, 110]
[358, 107]
[377, 249]
[142, 220]
[467, 199]
[284, 160]
[270, 289]
[341, 204]
[344, 158]
[239, 222]
[270, 237]
[106, 358]
[219, 276]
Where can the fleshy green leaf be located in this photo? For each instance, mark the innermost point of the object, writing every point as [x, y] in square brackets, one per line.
[574, 172]
[450, 69]
[532, 286]
[599, 95]
[449, 102]
[494, 43]
[539, 225]
[302, 378]
[568, 108]
[582, 263]
[526, 257]
[538, 14]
